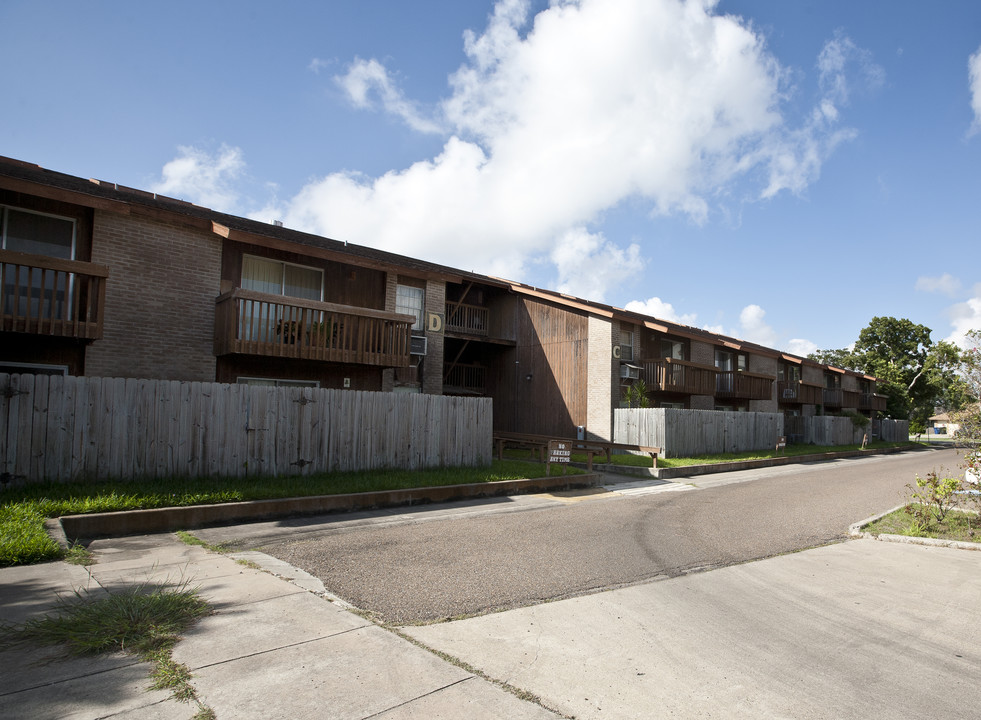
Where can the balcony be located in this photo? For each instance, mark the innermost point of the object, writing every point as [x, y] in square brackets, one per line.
[254, 323]
[872, 401]
[465, 379]
[743, 385]
[795, 392]
[467, 319]
[49, 296]
[679, 376]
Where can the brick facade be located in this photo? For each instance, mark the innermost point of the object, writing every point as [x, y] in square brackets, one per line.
[160, 299]
[764, 366]
[432, 367]
[599, 386]
[702, 353]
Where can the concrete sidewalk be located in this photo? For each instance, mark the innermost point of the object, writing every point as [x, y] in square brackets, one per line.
[858, 630]
[273, 648]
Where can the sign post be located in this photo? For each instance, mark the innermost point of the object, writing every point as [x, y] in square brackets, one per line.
[781, 443]
[558, 452]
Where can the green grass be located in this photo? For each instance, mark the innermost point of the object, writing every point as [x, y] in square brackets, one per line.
[23, 538]
[645, 460]
[957, 525]
[143, 620]
[789, 451]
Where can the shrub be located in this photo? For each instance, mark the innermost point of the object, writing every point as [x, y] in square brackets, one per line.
[933, 497]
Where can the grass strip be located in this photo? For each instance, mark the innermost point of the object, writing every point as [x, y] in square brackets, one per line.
[957, 525]
[23, 539]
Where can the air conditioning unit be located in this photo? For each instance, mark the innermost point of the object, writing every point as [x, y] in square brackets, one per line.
[629, 372]
[417, 345]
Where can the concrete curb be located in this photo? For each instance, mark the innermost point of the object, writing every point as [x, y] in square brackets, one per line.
[855, 530]
[138, 522]
[695, 470]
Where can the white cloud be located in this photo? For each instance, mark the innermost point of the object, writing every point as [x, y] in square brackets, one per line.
[946, 284]
[317, 64]
[801, 347]
[965, 316]
[203, 178]
[753, 328]
[796, 157]
[549, 124]
[974, 77]
[367, 78]
[657, 308]
[588, 264]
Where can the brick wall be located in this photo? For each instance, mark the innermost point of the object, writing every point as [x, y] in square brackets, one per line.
[391, 283]
[600, 381]
[813, 375]
[764, 366]
[160, 299]
[432, 371]
[702, 353]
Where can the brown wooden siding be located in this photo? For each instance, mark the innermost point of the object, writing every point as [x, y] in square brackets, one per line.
[343, 284]
[551, 349]
[230, 368]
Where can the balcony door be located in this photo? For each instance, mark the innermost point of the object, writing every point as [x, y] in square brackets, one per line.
[31, 292]
[273, 322]
[724, 381]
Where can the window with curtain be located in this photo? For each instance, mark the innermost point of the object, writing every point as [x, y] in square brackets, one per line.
[409, 300]
[280, 278]
[265, 322]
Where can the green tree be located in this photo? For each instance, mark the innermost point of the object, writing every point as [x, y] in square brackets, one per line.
[969, 418]
[843, 358]
[914, 373]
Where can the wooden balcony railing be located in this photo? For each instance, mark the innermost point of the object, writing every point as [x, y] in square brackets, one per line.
[743, 385]
[471, 378]
[680, 376]
[872, 401]
[49, 296]
[840, 398]
[795, 392]
[468, 319]
[254, 323]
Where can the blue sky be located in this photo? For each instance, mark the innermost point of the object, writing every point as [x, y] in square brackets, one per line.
[777, 171]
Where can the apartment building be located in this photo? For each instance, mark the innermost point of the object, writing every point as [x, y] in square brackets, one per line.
[104, 280]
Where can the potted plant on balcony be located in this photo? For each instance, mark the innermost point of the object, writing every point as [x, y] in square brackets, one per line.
[323, 332]
[286, 331]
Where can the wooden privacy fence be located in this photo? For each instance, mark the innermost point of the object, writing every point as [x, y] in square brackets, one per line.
[70, 428]
[681, 433]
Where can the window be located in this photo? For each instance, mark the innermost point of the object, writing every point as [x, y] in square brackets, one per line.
[788, 373]
[18, 368]
[37, 293]
[281, 278]
[627, 345]
[409, 301]
[38, 233]
[674, 349]
[276, 382]
[270, 322]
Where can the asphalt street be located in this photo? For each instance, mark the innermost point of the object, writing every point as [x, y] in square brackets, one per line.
[471, 559]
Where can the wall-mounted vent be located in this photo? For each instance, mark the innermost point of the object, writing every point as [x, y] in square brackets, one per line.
[417, 345]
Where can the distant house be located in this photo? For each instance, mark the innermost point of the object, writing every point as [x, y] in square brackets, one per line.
[104, 280]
